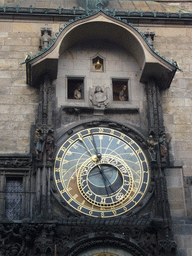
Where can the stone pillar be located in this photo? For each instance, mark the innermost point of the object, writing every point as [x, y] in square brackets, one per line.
[38, 191]
[2, 195]
[44, 126]
[155, 117]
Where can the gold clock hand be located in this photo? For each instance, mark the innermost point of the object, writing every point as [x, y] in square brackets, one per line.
[93, 157]
[105, 179]
[95, 147]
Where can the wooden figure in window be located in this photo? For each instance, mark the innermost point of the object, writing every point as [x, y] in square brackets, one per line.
[77, 92]
[123, 93]
[120, 89]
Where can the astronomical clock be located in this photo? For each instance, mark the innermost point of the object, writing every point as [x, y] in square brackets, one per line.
[101, 172]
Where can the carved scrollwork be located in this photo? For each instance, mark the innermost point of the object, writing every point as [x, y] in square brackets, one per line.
[15, 162]
[167, 246]
[16, 240]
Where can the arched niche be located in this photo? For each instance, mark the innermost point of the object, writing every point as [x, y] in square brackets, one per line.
[103, 27]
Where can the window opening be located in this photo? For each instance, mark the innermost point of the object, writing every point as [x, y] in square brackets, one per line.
[75, 88]
[13, 198]
[120, 89]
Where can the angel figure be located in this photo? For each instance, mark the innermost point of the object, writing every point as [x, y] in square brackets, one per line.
[99, 97]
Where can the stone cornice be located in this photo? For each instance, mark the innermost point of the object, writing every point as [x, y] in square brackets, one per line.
[58, 13]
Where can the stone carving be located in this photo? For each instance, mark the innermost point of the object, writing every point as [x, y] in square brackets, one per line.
[39, 144]
[99, 97]
[155, 116]
[14, 162]
[163, 147]
[46, 239]
[45, 37]
[16, 240]
[152, 147]
[50, 145]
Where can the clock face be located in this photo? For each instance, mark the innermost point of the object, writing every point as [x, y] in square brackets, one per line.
[101, 172]
[105, 252]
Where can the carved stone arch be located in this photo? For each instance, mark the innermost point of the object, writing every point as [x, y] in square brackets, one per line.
[105, 242]
[127, 128]
[103, 26]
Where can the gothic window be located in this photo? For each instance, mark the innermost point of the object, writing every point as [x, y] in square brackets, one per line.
[13, 197]
[120, 89]
[75, 88]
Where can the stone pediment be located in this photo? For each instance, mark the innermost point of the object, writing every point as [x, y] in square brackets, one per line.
[103, 27]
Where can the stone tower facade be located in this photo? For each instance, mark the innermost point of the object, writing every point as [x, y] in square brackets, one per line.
[95, 128]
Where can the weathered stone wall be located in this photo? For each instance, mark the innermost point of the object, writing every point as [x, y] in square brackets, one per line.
[18, 101]
[175, 42]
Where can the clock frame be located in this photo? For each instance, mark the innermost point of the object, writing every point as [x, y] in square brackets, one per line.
[118, 164]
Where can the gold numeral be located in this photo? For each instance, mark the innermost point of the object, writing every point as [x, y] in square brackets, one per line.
[63, 191]
[102, 200]
[79, 207]
[75, 146]
[58, 159]
[112, 132]
[70, 200]
[102, 214]
[56, 169]
[63, 149]
[58, 181]
[88, 193]
[70, 141]
[122, 136]
[80, 135]
[90, 212]
[114, 212]
[100, 129]
[138, 151]
[69, 153]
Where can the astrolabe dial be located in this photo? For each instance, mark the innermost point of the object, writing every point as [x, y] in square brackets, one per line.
[101, 172]
[106, 182]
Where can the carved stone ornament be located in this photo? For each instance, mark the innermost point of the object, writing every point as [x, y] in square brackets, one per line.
[152, 147]
[99, 97]
[73, 236]
[15, 162]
